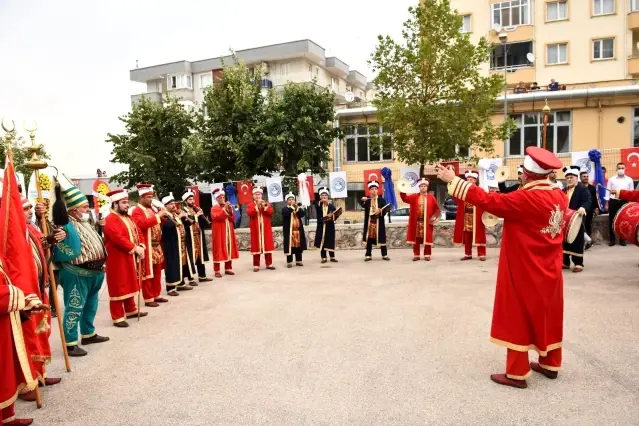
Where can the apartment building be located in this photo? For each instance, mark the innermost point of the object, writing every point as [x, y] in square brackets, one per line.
[590, 48]
[300, 61]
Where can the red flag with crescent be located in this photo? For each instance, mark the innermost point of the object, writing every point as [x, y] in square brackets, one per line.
[311, 187]
[245, 191]
[630, 157]
[376, 175]
[195, 191]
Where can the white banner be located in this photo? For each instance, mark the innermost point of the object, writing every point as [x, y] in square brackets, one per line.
[411, 174]
[274, 189]
[487, 169]
[580, 159]
[338, 184]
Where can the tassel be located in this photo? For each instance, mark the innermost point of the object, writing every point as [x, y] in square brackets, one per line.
[43, 327]
[59, 212]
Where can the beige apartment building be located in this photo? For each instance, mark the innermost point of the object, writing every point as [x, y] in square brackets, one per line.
[588, 47]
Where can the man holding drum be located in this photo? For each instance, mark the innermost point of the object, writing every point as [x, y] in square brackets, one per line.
[529, 304]
[579, 200]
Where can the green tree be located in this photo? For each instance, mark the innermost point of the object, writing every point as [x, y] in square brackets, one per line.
[231, 127]
[158, 146]
[300, 122]
[430, 91]
[21, 156]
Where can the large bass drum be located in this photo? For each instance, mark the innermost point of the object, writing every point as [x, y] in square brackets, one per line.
[573, 222]
[626, 221]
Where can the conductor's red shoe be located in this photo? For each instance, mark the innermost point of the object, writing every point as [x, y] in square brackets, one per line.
[29, 396]
[503, 380]
[19, 422]
[415, 258]
[50, 381]
[218, 275]
[541, 370]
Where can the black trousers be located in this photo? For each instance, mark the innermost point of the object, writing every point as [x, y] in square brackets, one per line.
[369, 248]
[186, 272]
[201, 270]
[295, 251]
[577, 260]
[323, 254]
[613, 208]
[588, 223]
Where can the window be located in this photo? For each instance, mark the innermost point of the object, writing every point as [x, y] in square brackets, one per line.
[557, 54]
[466, 24]
[368, 143]
[603, 49]
[179, 81]
[511, 13]
[352, 199]
[516, 55]
[556, 11]
[603, 7]
[206, 80]
[634, 5]
[284, 68]
[529, 132]
[334, 84]
[635, 128]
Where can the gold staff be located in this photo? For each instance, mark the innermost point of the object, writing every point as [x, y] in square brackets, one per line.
[36, 164]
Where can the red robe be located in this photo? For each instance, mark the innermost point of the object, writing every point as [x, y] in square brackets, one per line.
[628, 195]
[261, 229]
[479, 229]
[529, 301]
[15, 369]
[430, 210]
[146, 220]
[224, 243]
[121, 236]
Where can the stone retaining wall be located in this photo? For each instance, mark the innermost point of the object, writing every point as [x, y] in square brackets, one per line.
[349, 237]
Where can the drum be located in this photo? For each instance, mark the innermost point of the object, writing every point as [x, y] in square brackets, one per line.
[626, 221]
[573, 222]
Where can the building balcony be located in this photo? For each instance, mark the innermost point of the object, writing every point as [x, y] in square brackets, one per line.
[633, 21]
[516, 35]
[633, 66]
[516, 74]
[153, 96]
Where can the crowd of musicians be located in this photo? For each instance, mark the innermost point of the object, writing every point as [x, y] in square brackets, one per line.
[132, 246]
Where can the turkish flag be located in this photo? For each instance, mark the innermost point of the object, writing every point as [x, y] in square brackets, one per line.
[373, 175]
[454, 164]
[196, 191]
[245, 192]
[630, 157]
[311, 187]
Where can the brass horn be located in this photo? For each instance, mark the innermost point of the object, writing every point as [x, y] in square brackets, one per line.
[502, 174]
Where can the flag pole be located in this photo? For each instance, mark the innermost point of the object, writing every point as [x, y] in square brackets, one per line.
[37, 164]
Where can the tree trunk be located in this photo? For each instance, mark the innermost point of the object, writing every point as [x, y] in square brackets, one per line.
[421, 170]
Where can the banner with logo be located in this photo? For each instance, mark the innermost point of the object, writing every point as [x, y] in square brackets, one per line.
[630, 157]
[337, 182]
[274, 189]
[581, 160]
[411, 174]
[487, 169]
[373, 175]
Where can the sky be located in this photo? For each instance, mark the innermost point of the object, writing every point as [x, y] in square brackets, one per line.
[65, 63]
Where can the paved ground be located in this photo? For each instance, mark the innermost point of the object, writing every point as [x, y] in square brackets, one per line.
[382, 343]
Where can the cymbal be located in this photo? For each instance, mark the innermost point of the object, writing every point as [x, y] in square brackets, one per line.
[404, 186]
[502, 174]
[489, 219]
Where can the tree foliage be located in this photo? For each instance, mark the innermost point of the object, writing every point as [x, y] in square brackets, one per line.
[158, 146]
[430, 90]
[300, 119]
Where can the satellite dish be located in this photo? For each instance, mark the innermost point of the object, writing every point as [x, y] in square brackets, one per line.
[497, 28]
[530, 57]
[349, 96]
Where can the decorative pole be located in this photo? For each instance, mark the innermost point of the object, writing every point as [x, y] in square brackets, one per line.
[546, 121]
[37, 164]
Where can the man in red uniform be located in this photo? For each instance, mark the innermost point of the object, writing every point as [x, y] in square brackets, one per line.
[469, 228]
[15, 370]
[424, 214]
[260, 213]
[148, 219]
[124, 251]
[529, 301]
[224, 244]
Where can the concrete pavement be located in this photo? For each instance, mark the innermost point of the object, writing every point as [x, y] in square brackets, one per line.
[354, 343]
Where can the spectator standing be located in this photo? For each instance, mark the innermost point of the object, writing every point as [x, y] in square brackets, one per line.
[553, 86]
[613, 204]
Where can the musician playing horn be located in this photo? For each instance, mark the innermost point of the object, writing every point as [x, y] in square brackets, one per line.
[194, 225]
[528, 308]
[325, 232]
[578, 199]
[374, 227]
[293, 231]
[469, 228]
[177, 268]
[224, 244]
[424, 214]
[260, 213]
